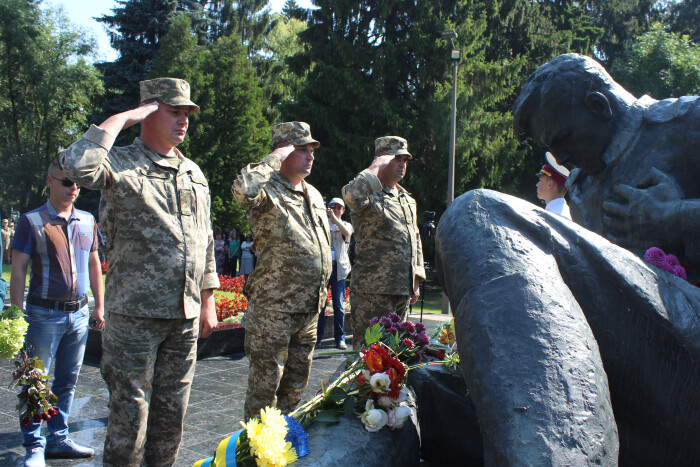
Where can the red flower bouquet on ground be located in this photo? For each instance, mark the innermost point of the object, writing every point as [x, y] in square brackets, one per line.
[373, 385]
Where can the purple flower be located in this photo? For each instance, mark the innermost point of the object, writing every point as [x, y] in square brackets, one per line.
[655, 256]
[395, 318]
[373, 321]
[420, 327]
[385, 322]
[680, 271]
[672, 260]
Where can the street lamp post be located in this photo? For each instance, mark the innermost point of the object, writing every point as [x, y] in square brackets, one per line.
[454, 57]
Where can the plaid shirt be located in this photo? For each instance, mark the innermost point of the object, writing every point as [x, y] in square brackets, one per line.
[59, 251]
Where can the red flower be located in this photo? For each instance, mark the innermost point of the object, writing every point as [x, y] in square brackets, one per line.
[375, 358]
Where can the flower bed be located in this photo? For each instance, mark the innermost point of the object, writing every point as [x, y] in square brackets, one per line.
[231, 304]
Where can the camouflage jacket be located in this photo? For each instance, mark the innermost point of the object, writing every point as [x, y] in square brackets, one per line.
[292, 238]
[387, 242]
[157, 220]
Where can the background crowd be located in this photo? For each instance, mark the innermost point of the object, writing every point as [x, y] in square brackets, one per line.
[234, 252]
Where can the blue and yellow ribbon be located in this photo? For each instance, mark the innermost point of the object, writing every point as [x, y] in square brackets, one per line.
[225, 454]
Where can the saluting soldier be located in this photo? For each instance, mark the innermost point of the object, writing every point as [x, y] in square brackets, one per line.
[389, 257]
[287, 289]
[159, 290]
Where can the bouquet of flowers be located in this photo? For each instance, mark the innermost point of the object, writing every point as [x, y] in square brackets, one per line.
[13, 327]
[268, 440]
[36, 400]
[372, 387]
[444, 341]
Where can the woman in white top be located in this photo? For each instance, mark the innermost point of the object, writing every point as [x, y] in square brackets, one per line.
[247, 258]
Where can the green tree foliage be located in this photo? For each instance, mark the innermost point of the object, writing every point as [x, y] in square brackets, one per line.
[684, 18]
[381, 68]
[280, 85]
[135, 29]
[229, 131]
[660, 64]
[46, 90]
[622, 21]
[250, 20]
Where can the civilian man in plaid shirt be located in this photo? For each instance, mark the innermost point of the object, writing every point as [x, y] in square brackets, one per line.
[61, 243]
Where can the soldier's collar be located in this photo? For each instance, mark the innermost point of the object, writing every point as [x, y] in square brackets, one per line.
[399, 190]
[157, 158]
[285, 181]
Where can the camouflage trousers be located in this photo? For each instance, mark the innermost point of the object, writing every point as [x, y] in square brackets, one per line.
[280, 348]
[148, 365]
[365, 306]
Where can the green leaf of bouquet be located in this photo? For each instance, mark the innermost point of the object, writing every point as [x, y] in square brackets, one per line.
[12, 313]
[328, 416]
[373, 334]
[349, 405]
[394, 341]
[39, 365]
[337, 395]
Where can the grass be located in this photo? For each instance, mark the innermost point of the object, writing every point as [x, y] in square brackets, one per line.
[432, 301]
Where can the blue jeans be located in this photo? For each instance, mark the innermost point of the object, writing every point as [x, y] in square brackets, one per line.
[338, 296]
[58, 339]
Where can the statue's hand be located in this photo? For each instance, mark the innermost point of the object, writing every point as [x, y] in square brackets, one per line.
[647, 215]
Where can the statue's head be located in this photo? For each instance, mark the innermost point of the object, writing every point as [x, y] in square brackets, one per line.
[571, 106]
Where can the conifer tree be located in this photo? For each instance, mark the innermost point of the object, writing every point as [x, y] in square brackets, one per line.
[381, 68]
[230, 130]
[135, 29]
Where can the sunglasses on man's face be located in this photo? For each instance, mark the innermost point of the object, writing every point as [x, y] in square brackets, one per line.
[66, 182]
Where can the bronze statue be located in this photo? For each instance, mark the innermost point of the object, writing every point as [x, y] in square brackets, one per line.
[637, 180]
[576, 351]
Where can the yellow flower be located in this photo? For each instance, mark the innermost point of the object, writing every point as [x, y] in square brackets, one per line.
[266, 439]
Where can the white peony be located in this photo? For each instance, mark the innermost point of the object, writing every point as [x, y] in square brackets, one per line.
[380, 383]
[374, 420]
[397, 417]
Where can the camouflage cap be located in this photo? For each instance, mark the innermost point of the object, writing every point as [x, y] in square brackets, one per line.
[171, 91]
[298, 133]
[391, 145]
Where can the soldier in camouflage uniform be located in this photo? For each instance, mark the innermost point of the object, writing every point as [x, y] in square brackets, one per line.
[159, 290]
[389, 256]
[287, 289]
